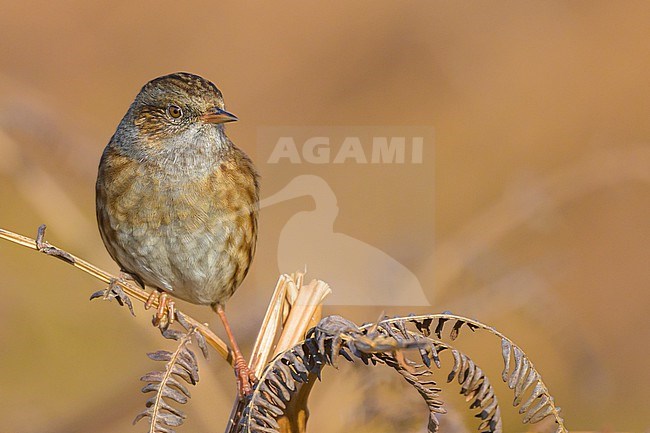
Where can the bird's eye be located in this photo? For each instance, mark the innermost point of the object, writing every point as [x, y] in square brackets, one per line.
[174, 111]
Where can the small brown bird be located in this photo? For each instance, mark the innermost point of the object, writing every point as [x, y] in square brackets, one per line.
[177, 200]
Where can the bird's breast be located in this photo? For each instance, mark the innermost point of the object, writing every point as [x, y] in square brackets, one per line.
[193, 235]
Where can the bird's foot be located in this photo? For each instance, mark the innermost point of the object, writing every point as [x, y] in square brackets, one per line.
[166, 311]
[245, 378]
[114, 291]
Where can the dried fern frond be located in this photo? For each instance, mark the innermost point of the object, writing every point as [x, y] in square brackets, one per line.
[297, 369]
[386, 342]
[520, 376]
[523, 378]
[169, 384]
[474, 384]
[421, 378]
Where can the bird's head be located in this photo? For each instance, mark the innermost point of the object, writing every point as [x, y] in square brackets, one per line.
[179, 105]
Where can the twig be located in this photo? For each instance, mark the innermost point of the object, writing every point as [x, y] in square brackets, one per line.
[39, 244]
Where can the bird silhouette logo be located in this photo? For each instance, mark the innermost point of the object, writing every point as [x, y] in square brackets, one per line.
[359, 273]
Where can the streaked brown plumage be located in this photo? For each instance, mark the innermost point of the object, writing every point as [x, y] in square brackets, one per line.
[176, 199]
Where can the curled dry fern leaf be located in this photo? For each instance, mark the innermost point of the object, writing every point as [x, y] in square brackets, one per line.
[420, 378]
[168, 384]
[334, 337]
[523, 378]
[476, 387]
[519, 372]
[474, 384]
[386, 343]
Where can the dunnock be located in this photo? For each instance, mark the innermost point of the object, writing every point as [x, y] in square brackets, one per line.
[177, 200]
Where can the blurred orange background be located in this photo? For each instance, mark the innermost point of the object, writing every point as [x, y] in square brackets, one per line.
[542, 168]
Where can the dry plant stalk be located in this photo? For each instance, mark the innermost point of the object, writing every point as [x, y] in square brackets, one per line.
[294, 308]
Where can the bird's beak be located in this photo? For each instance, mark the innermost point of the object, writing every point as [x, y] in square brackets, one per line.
[217, 115]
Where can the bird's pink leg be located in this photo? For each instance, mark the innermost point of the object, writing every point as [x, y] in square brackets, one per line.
[245, 377]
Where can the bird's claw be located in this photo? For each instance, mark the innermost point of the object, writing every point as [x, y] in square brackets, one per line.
[246, 379]
[166, 311]
[114, 291]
